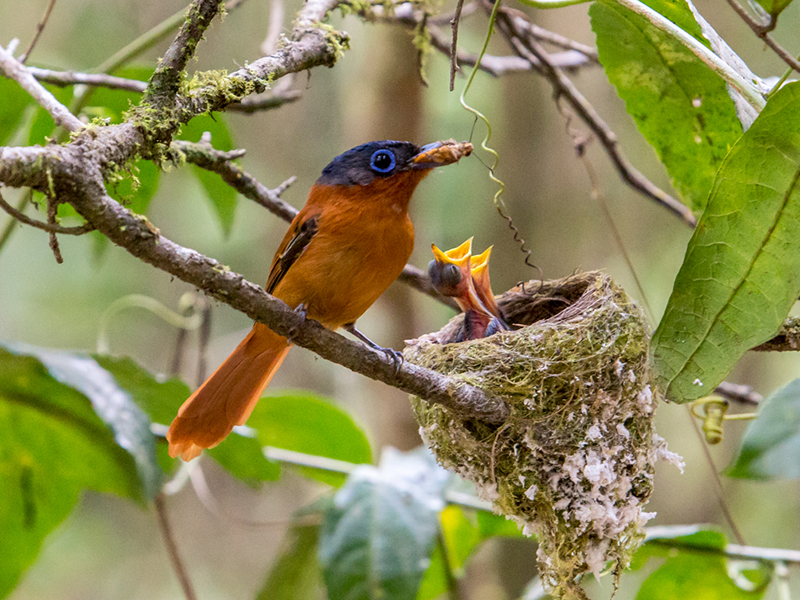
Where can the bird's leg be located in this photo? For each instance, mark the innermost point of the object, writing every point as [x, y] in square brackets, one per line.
[301, 310]
[394, 355]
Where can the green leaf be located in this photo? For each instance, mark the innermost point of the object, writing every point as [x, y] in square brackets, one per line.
[695, 567]
[55, 443]
[492, 525]
[296, 574]
[771, 444]
[160, 399]
[774, 7]
[222, 196]
[12, 108]
[697, 576]
[680, 106]
[460, 536]
[111, 402]
[377, 539]
[435, 582]
[741, 273]
[307, 423]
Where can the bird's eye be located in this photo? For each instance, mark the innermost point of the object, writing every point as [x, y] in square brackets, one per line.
[382, 161]
[445, 277]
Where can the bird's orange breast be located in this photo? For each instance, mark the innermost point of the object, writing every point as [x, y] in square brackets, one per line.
[365, 239]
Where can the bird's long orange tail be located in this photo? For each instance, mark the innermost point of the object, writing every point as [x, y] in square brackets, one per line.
[227, 397]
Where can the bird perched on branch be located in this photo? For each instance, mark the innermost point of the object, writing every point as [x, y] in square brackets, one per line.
[465, 278]
[343, 249]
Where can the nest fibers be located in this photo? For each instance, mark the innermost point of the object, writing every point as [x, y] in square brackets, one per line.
[573, 463]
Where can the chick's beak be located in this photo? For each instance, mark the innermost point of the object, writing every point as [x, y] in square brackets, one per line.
[439, 154]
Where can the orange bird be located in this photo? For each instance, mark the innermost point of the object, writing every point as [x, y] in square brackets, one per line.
[343, 249]
[465, 278]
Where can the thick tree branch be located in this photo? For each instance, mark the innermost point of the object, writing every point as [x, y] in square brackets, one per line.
[165, 82]
[137, 235]
[75, 172]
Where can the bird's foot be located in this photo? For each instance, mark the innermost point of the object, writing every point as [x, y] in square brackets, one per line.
[393, 355]
[301, 310]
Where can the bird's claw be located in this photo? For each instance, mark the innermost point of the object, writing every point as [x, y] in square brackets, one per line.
[396, 357]
[301, 310]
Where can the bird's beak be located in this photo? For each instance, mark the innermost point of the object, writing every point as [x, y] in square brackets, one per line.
[439, 154]
[480, 262]
[456, 255]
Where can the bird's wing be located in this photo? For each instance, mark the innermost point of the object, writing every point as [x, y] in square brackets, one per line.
[300, 234]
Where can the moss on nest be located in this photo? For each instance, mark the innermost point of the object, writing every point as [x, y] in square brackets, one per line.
[573, 463]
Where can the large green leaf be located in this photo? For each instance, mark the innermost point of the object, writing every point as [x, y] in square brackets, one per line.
[241, 456]
[696, 567]
[64, 425]
[771, 444]
[306, 423]
[222, 196]
[12, 107]
[697, 576]
[681, 107]
[377, 538]
[741, 273]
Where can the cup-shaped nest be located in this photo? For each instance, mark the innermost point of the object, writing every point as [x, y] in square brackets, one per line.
[573, 462]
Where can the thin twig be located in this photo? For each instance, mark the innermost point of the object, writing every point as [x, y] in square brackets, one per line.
[274, 27]
[206, 157]
[39, 28]
[49, 227]
[204, 335]
[762, 31]
[454, 44]
[11, 226]
[275, 100]
[172, 547]
[580, 141]
[718, 490]
[149, 39]
[15, 70]
[739, 393]
[52, 221]
[528, 48]
[496, 66]
[65, 78]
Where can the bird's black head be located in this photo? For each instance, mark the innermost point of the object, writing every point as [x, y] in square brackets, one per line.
[365, 163]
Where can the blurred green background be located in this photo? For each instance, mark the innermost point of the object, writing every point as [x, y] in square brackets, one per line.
[112, 549]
